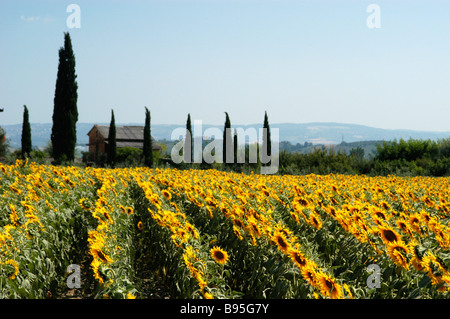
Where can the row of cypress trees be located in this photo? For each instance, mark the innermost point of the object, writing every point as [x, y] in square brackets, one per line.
[229, 141]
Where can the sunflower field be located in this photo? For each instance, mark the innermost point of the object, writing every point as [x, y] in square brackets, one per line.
[168, 233]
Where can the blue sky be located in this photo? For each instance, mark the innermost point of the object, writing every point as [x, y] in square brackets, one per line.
[302, 61]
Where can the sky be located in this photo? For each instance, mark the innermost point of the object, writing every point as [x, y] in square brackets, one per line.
[301, 61]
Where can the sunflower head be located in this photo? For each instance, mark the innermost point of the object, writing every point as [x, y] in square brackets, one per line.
[389, 235]
[219, 255]
[309, 273]
[14, 268]
[315, 221]
[329, 287]
[280, 240]
[398, 252]
[298, 258]
[167, 194]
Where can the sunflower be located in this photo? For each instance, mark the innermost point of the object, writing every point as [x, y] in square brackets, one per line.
[15, 265]
[385, 205]
[224, 210]
[167, 194]
[398, 252]
[404, 227]
[380, 215]
[302, 201]
[237, 232]
[424, 216]
[191, 230]
[309, 273]
[95, 265]
[238, 223]
[315, 221]
[207, 295]
[414, 221]
[84, 203]
[130, 295]
[432, 264]
[349, 292]
[280, 239]
[331, 210]
[253, 228]
[329, 287]
[14, 217]
[298, 258]
[219, 255]
[140, 226]
[99, 254]
[389, 235]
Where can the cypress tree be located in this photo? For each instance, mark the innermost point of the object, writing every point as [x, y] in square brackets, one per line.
[26, 134]
[65, 113]
[112, 145]
[235, 146]
[188, 156]
[4, 143]
[227, 141]
[267, 144]
[148, 150]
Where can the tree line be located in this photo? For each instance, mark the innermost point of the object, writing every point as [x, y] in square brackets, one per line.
[402, 157]
[231, 152]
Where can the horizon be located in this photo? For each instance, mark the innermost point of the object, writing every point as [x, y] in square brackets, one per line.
[240, 124]
[312, 61]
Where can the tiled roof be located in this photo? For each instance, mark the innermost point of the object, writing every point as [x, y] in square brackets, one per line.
[127, 136]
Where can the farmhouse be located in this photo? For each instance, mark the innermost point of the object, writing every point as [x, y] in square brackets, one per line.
[126, 136]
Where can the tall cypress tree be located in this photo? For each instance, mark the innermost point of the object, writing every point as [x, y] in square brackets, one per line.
[4, 143]
[65, 113]
[26, 134]
[227, 141]
[112, 145]
[267, 143]
[235, 146]
[148, 149]
[188, 156]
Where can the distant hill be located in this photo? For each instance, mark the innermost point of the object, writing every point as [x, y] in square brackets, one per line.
[314, 133]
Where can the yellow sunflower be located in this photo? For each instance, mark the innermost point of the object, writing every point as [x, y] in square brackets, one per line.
[130, 295]
[315, 221]
[329, 287]
[309, 273]
[298, 258]
[404, 227]
[207, 295]
[15, 265]
[219, 255]
[101, 255]
[167, 194]
[414, 221]
[389, 235]
[280, 240]
[398, 252]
